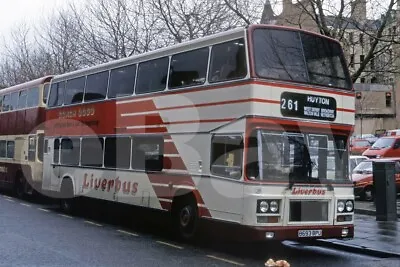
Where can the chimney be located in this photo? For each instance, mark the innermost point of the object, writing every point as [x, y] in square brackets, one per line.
[287, 5]
[267, 16]
[359, 10]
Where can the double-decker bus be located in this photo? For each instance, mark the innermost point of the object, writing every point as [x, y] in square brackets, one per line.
[22, 112]
[248, 127]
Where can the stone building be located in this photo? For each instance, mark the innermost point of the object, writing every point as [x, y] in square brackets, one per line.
[374, 109]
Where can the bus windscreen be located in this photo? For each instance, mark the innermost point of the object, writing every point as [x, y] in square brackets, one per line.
[299, 57]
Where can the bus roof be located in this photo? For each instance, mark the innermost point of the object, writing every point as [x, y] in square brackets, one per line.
[26, 85]
[177, 48]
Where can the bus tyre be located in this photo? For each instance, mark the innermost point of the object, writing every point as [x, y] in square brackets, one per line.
[185, 216]
[19, 186]
[67, 200]
[369, 193]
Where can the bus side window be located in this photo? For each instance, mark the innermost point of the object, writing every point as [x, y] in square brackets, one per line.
[96, 86]
[56, 96]
[6, 103]
[188, 68]
[228, 61]
[23, 95]
[33, 98]
[148, 153]
[3, 149]
[56, 155]
[10, 149]
[14, 101]
[70, 151]
[31, 148]
[227, 156]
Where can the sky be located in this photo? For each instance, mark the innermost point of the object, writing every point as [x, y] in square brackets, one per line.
[14, 12]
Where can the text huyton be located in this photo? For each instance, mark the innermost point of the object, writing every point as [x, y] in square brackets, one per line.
[104, 184]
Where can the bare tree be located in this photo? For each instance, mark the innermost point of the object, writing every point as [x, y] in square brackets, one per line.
[191, 19]
[114, 29]
[58, 37]
[368, 42]
[21, 59]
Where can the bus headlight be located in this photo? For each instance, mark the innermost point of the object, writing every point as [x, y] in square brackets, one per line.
[349, 206]
[274, 206]
[340, 206]
[264, 206]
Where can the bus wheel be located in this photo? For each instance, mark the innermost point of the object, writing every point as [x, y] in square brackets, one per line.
[185, 216]
[67, 200]
[368, 193]
[19, 186]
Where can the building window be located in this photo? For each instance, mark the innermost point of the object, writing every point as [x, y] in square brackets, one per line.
[351, 37]
[226, 156]
[362, 57]
[352, 60]
[361, 39]
[362, 80]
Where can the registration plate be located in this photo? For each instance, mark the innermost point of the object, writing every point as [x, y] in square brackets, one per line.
[309, 233]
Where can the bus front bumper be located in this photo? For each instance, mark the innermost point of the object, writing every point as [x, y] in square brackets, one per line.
[301, 232]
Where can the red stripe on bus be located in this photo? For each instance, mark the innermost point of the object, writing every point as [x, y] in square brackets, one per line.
[139, 120]
[124, 130]
[170, 148]
[174, 163]
[281, 122]
[165, 178]
[145, 105]
[346, 110]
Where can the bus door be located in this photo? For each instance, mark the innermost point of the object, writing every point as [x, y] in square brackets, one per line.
[51, 167]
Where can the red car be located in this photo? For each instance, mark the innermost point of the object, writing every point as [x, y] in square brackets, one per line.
[363, 180]
[358, 146]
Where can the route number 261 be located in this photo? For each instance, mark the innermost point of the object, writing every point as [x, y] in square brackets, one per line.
[290, 104]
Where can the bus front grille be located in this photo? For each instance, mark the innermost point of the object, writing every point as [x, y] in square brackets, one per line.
[308, 211]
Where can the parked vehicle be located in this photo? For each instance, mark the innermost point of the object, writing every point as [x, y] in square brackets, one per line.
[354, 161]
[358, 146]
[392, 132]
[384, 147]
[362, 177]
[369, 137]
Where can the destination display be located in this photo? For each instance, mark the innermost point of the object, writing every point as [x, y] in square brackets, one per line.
[308, 106]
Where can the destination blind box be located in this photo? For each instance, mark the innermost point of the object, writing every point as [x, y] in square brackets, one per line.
[308, 106]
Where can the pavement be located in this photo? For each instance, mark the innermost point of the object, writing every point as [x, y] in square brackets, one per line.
[368, 208]
[372, 237]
